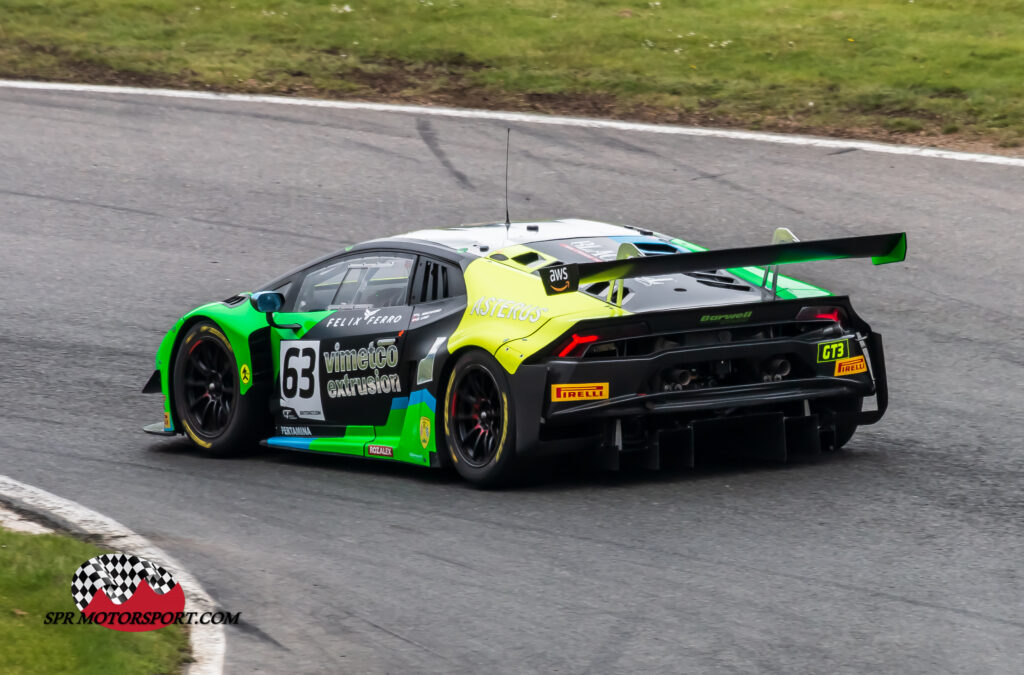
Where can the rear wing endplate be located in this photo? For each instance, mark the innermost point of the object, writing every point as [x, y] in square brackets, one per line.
[881, 248]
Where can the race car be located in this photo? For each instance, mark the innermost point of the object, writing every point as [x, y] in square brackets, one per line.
[483, 346]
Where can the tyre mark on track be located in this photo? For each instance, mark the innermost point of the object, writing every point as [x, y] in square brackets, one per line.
[429, 136]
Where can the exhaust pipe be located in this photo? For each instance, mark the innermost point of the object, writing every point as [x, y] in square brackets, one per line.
[775, 370]
[684, 377]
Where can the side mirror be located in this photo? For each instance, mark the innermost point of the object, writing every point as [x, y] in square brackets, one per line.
[269, 302]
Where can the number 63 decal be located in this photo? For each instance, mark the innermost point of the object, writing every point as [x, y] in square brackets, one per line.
[300, 385]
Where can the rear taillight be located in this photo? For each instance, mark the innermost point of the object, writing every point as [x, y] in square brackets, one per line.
[594, 340]
[823, 313]
[577, 345]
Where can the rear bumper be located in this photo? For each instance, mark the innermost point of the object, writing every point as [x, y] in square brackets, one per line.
[780, 418]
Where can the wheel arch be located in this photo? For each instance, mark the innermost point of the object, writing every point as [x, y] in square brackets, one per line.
[250, 346]
[445, 372]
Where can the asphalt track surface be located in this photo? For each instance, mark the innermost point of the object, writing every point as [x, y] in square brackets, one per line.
[902, 553]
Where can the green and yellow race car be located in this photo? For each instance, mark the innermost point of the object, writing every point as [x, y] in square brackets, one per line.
[482, 346]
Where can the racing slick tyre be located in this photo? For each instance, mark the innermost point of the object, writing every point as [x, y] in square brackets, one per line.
[207, 399]
[479, 421]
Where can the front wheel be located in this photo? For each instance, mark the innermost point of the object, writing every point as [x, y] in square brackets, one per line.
[479, 421]
[208, 402]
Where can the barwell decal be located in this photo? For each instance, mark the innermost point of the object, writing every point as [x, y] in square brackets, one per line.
[376, 356]
[507, 309]
[738, 316]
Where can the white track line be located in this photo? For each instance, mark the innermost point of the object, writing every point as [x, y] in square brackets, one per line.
[207, 641]
[527, 118]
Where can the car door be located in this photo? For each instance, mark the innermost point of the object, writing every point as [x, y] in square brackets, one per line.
[438, 300]
[338, 378]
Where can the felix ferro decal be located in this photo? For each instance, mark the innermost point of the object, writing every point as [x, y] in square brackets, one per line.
[376, 356]
[507, 309]
[130, 594]
[370, 317]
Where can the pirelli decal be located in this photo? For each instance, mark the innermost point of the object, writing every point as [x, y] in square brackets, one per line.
[851, 366]
[591, 391]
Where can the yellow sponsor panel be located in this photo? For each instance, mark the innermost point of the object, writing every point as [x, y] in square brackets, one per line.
[589, 391]
[851, 366]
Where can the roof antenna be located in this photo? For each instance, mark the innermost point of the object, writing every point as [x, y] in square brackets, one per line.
[508, 141]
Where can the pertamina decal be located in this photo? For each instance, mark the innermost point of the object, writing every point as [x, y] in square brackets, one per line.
[579, 392]
[833, 351]
[380, 451]
[851, 366]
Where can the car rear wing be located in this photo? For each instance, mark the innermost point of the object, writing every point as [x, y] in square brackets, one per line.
[566, 278]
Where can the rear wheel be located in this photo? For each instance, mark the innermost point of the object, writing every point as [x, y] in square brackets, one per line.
[479, 422]
[207, 399]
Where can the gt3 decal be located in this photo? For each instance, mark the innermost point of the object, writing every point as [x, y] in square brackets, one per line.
[833, 351]
[851, 366]
[300, 381]
[579, 392]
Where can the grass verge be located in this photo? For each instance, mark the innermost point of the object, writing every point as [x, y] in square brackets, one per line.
[35, 578]
[893, 69]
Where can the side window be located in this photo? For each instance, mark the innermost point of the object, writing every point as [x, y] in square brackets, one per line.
[379, 280]
[436, 280]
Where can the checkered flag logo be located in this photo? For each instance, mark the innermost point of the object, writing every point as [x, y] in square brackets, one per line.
[119, 576]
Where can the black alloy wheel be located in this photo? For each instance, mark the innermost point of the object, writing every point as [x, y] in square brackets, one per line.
[477, 416]
[210, 386]
[480, 421]
[209, 406]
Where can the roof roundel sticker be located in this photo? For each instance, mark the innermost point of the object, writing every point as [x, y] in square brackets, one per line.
[115, 589]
